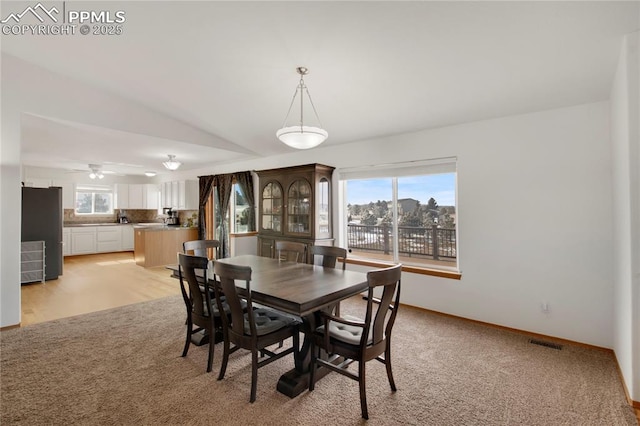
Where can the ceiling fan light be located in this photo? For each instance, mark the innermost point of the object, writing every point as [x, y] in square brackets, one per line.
[304, 137]
[92, 175]
[172, 164]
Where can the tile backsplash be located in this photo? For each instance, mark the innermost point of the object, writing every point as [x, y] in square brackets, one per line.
[134, 216]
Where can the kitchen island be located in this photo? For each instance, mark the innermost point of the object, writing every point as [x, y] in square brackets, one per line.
[158, 245]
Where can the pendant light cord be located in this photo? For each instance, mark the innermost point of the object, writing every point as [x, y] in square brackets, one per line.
[301, 86]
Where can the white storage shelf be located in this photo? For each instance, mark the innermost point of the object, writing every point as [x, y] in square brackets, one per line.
[32, 262]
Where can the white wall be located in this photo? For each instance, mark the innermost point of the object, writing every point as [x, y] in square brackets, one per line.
[625, 130]
[10, 220]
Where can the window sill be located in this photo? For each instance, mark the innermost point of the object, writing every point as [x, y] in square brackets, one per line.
[407, 268]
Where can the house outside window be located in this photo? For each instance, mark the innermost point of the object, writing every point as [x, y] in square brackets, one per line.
[402, 213]
[93, 200]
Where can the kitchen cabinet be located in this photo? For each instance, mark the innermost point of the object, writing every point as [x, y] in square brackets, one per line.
[294, 205]
[108, 239]
[151, 196]
[141, 196]
[121, 196]
[97, 239]
[127, 237]
[83, 240]
[136, 200]
[180, 195]
[157, 246]
[66, 241]
[68, 194]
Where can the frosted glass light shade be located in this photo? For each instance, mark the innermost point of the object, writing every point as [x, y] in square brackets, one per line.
[304, 137]
[172, 164]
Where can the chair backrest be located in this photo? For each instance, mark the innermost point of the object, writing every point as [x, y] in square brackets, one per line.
[199, 301]
[291, 251]
[200, 247]
[385, 312]
[226, 276]
[329, 255]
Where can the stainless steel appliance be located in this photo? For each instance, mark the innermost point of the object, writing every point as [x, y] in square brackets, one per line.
[42, 221]
[172, 217]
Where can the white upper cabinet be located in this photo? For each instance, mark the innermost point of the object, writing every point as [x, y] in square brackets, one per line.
[136, 200]
[68, 194]
[121, 196]
[180, 195]
[151, 196]
[143, 196]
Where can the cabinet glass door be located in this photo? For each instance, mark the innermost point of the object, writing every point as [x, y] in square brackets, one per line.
[324, 209]
[299, 207]
[272, 207]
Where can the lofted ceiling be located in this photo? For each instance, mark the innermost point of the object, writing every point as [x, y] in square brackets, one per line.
[227, 69]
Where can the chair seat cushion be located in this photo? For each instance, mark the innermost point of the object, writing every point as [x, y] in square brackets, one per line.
[268, 320]
[347, 333]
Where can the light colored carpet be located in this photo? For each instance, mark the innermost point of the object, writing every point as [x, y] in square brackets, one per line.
[123, 366]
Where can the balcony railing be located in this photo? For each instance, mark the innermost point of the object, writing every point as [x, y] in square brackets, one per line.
[434, 242]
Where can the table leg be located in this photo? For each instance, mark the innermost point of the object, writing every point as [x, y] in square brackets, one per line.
[295, 381]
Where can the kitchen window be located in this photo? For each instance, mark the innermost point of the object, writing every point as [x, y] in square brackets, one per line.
[93, 200]
[402, 213]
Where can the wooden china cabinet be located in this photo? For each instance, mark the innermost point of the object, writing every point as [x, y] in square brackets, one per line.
[294, 205]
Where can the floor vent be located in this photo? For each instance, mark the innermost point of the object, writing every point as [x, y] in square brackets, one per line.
[546, 344]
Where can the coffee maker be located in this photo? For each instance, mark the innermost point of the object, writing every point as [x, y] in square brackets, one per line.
[122, 217]
[172, 217]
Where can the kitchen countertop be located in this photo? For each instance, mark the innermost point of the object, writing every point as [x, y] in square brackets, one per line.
[149, 224]
[163, 227]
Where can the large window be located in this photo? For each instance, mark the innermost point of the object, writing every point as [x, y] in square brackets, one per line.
[405, 213]
[94, 200]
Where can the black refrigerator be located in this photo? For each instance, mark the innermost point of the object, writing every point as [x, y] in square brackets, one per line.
[42, 221]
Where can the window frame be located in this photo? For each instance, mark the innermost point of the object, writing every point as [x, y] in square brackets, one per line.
[213, 201]
[394, 172]
[93, 190]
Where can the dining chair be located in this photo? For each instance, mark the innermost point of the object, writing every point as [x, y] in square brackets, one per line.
[202, 312]
[200, 247]
[329, 256]
[291, 251]
[255, 329]
[358, 340]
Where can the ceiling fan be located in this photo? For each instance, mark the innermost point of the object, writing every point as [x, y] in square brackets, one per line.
[95, 171]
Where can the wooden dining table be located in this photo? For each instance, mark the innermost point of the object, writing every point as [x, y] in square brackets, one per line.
[302, 290]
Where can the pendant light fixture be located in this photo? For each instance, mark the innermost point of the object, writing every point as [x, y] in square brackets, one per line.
[172, 164]
[301, 136]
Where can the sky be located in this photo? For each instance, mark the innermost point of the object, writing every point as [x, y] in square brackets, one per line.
[439, 186]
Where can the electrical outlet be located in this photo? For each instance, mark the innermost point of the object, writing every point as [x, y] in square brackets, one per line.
[544, 307]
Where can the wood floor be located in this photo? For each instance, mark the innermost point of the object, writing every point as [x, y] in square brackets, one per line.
[93, 283]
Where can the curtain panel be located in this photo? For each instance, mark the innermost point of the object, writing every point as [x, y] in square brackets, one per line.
[205, 187]
[245, 180]
[224, 183]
